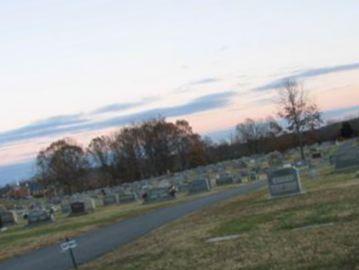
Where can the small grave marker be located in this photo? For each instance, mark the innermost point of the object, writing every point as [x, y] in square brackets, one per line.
[224, 180]
[7, 218]
[126, 198]
[199, 185]
[78, 208]
[110, 199]
[157, 194]
[39, 216]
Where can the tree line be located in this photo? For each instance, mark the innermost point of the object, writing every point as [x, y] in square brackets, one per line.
[152, 148]
[156, 147]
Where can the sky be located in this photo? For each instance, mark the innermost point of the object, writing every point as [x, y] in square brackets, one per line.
[84, 68]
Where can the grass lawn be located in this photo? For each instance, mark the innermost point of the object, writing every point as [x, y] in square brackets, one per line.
[20, 239]
[316, 230]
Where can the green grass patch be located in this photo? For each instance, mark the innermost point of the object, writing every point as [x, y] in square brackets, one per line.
[241, 225]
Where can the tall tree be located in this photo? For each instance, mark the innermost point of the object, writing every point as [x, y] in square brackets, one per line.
[346, 130]
[298, 110]
[62, 165]
[252, 133]
[101, 156]
[128, 153]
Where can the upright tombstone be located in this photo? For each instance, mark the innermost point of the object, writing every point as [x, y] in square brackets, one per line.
[157, 195]
[224, 179]
[126, 198]
[253, 176]
[98, 200]
[316, 155]
[39, 216]
[7, 218]
[65, 207]
[199, 185]
[237, 179]
[110, 199]
[344, 160]
[284, 182]
[183, 187]
[78, 208]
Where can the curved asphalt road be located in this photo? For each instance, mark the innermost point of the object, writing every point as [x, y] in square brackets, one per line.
[98, 242]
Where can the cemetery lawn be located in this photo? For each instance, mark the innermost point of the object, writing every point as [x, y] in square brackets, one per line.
[20, 239]
[316, 230]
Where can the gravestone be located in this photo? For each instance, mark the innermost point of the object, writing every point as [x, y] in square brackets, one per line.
[78, 208]
[348, 159]
[110, 199]
[283, 182]
[39, 216]
[237, 179]
[65, 208]
[199, 185]
[183, 187]
[126, 198]
[275, 159]
[157, 195]
[253, 176]
[224, 180]
[7, 218]
[316, 155]
[98, 200]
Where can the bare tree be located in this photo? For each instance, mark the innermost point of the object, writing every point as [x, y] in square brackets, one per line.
[253, 132]
[298, 110]
[100, 151]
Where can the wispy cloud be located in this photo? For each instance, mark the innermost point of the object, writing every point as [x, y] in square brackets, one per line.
[204, 81]
[117, 107]
[310, 73]
[79, 123]
[44, 127]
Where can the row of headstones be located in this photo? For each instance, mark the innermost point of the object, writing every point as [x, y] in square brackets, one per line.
[35, 216]
[196, 186]
[286, 181]
[40, 215]
[88, 204]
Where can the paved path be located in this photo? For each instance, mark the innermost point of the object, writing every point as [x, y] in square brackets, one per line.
[98, 242]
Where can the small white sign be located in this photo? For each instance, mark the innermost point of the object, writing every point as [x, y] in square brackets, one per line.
[72, 244]
[64, 246]
[68, 245]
